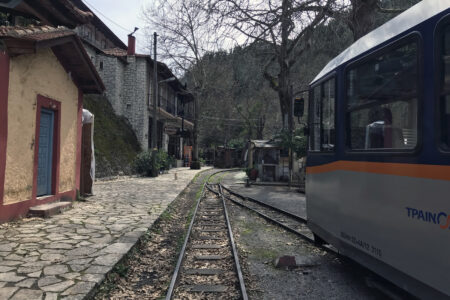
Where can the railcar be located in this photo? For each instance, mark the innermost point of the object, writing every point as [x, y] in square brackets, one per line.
[378, 165]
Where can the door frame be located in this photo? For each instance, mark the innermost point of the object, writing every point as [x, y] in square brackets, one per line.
[55, 106]
[4, 89]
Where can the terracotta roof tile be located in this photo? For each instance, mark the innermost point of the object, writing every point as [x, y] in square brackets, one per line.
[37, 33]
[115, 52]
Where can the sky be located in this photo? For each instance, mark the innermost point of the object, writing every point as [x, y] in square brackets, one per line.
[121, 17]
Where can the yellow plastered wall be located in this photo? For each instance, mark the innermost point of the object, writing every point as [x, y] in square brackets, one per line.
[30, 75]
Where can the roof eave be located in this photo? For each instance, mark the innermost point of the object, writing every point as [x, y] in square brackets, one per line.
[62, 47]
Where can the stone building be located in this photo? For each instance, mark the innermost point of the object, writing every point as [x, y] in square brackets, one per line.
[128, 77]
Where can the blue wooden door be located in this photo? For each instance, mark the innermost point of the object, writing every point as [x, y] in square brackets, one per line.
[45, 157]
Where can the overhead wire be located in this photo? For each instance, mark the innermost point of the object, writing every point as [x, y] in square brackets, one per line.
[127, 30]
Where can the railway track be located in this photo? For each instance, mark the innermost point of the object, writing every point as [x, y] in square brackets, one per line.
[298, 226]
[208, 266]
[282, 218]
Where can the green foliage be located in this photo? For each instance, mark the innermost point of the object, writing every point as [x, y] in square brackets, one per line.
[116, 145]
[162, 160]
[195, 165]
[237, 143]
[297, 141]
[172, 162]
[145, 165]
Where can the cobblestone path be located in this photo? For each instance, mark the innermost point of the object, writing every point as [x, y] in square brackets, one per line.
[66, 256]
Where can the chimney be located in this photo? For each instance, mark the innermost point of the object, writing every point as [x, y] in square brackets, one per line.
[131, 45]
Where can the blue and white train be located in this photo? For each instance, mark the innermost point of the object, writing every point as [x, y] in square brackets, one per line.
[378, 166]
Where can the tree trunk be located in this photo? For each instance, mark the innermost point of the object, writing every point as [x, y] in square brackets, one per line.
[260, 129]
[363, 17]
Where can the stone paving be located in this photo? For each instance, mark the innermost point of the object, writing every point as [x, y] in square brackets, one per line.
[66, 256]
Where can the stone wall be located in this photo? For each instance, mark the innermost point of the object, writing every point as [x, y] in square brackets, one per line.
[135, 97]
[128, 89]
[112, 76]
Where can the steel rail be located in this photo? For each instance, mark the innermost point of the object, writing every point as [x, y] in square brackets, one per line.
[182, 255]
[183, 249]
[233, 246]
[284, 226]
[327, 249]
[298, 218]
[186, 240]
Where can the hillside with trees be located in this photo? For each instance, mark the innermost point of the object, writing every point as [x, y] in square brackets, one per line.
[279, 47]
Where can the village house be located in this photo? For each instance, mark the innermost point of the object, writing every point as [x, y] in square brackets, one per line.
[271, 161]
[128, 80]
[44, 72]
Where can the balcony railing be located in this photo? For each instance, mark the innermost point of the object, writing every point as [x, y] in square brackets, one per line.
[167, 105]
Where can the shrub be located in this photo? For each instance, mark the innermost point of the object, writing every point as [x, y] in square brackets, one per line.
[195, 165]
[143, 163]
[172, 161]
[162, 160]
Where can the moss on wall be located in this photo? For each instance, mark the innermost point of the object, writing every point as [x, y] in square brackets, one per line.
[115, 142]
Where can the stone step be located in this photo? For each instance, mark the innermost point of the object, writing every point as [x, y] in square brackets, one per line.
[49, 209]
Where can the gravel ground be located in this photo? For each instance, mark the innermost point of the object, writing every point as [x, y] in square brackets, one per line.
[321, 276]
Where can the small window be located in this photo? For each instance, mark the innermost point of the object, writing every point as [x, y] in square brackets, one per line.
[445, 88]
[322, 122]
[314, 142]
[101, 65]
[328, 113]
[382, 95]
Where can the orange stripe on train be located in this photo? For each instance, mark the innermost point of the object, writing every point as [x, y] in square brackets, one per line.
[410, 170]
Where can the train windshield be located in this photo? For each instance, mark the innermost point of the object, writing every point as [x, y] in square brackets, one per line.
[382, 100]
[445, 90]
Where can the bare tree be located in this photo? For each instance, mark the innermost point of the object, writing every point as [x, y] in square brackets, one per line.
[186, 35]
[192, 43]
[285, 26]
[365, 15]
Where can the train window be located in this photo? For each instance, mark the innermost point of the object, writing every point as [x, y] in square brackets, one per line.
[328, 113]
[322, 122]
[314, 142]
[382, 95]
[445, 88]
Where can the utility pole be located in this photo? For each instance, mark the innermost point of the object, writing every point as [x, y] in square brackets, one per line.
[155, 100]
[291, 129]
[155, 95]
[196, 162]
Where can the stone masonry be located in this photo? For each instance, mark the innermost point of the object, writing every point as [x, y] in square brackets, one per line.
[68, 255]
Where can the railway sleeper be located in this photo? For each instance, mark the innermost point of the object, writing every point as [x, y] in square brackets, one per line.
[210, 257]
[206, 246]
[206, 288]
[204, 272]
